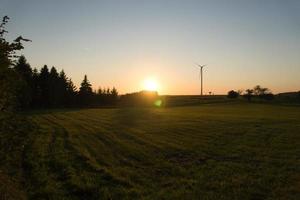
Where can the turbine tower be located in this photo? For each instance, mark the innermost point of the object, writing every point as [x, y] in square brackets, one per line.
[201, 76]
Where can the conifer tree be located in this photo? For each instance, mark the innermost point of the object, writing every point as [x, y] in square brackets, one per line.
[71, 93]
[85, 92]
[44, 85]
[36, 89]
[114, 96]
[54, 98]
[24, 69]
[25, 73]
[62, 89]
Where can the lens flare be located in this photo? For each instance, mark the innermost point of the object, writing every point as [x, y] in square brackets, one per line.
[158, 103]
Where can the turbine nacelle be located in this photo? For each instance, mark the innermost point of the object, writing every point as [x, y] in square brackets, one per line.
[201, 66]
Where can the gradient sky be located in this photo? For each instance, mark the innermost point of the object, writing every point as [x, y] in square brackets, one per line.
[122, 42]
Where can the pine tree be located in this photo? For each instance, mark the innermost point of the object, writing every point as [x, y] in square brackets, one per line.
[44, 84]
[86, 87]
[25, 72]
[54, 99]
[85, 92]
[36, 89]
[63, 78]
[62, 90]
[114, 92]
[71, 88]
[24, 69]
[71, 93]
[114, 95]
[100, 91]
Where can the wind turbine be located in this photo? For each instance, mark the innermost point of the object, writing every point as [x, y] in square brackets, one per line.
[201, 76]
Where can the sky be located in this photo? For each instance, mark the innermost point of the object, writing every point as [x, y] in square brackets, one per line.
[122, 43]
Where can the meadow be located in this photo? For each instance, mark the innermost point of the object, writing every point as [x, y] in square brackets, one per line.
[210, 151]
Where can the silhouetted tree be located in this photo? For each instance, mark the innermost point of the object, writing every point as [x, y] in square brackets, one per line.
[85, 92]
[54, 87]
[260, 91]
[263, 93]
[10, 83]
[36, 89]
[62, 88]
[232, 94]
[24, 69]
[249, 94]
[257, 90]
[44, 84]
[25, 72]
[71, 93]
[99, 91]
[114, 95]
[22, 86]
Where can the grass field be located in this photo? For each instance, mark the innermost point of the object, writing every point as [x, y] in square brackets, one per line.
[217, 151]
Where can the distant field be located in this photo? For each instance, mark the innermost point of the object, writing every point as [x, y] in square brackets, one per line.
[189, 100]
[217, 151]
[192, 100]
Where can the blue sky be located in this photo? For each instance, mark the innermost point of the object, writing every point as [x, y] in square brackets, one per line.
[123, 42]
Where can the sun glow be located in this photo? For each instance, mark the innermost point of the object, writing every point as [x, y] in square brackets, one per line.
[150, 84]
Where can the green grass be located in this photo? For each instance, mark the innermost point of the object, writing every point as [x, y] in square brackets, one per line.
[14, 134]
[194, 100]
[221, 151]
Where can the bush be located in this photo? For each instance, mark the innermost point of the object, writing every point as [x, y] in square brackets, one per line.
[232, 94]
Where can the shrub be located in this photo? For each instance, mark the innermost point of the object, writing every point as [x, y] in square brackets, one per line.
[232, 94]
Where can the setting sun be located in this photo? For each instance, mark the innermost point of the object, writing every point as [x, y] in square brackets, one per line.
[150, 84]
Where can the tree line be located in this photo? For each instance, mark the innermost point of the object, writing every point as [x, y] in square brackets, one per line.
[49, 88]
[257, 92]
[22, 87]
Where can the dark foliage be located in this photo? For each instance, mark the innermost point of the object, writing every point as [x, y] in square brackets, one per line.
[50, 89]
[233, 94]
[106, 96]
[249, 94]
[25, 75]
[258, 92]
[24, 88]
[143, 98]
[85, 92]
[10, 82]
